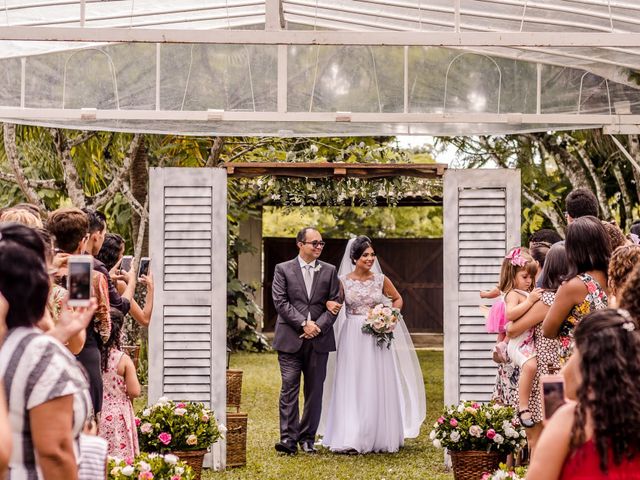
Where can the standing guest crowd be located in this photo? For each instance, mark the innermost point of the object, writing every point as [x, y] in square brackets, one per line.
[67, 385]
[582, 323]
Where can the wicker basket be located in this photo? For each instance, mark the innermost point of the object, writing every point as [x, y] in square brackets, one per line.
[194, 459]
[234, 389]
[470, 465]
[236, 439]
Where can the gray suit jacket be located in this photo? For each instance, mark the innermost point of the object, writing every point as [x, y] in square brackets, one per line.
[292, 304]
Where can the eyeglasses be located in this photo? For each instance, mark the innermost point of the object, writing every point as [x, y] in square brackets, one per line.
[314, 244]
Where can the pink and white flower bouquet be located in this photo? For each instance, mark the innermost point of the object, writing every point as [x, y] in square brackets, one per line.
[170, 426]
[506, 473]
[381, 321]
[474, 426]
[147, 466]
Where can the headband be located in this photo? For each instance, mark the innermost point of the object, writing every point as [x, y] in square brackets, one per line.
[515, 258]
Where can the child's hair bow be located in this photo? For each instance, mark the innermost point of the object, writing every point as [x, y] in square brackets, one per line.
[516, 258]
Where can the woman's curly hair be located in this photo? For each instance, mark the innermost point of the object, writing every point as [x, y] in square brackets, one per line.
[622, 263]
[608, 342]
[629, 298]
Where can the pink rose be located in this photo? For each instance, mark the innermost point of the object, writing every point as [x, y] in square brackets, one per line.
[453, 422]
[165, 438]
[180, 405]
[146, 427]
[491, 433]
[205, 417]
[176, 477]
[475, 405]
[145, 476]
[128, 461]
[441, 420]
[137, 422]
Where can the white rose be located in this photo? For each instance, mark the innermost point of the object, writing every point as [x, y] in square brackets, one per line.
[498, 439]
[455, 436]
[437, 444]
[127, 471]
[171, 459]
[180, 411]
[144, 466]
[432, 435]
[497, 406]
[222, 428]
[163, 400]
[146, 412]
[179, 470]
[460, 408]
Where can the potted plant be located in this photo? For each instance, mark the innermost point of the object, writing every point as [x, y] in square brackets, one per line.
[148, 466]
[185, 429]
[477, 436]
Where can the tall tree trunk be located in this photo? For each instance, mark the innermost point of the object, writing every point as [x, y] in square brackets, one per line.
[626, 197]
[596, 178]
[634, 150]
[71, 177]
[568, 164]
[139, 181]
[11, 149]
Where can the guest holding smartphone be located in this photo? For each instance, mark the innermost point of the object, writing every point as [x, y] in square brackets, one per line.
[70, 228]
[597, 436]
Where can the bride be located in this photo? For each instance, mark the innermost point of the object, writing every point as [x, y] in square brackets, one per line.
[374, 396]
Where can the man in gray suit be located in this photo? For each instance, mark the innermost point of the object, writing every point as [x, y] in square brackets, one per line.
[303, 338]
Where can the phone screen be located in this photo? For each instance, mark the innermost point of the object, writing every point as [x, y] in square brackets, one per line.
[125, 265]
[553, 396]
[79, 281]
[144, 266]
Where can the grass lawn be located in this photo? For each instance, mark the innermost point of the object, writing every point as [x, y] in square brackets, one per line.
[260, 389]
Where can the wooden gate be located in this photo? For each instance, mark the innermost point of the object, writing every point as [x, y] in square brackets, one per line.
[414, 265]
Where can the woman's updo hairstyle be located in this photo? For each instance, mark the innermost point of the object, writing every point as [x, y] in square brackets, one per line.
[359, 245]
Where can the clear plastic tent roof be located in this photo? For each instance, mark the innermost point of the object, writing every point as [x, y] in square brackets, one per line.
[321, 67]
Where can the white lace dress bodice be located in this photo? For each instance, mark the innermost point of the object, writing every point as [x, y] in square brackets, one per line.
[361, 296]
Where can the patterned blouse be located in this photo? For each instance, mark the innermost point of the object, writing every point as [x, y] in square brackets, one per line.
[596, 299]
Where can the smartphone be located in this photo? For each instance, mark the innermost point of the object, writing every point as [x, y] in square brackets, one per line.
[144, 266]
[552, 394]
[125, 265]
[79, 280]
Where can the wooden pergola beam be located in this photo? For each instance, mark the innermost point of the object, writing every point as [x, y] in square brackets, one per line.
[331, 169]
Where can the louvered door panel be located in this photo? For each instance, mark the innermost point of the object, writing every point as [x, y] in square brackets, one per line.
[187, 335]
[482, 220]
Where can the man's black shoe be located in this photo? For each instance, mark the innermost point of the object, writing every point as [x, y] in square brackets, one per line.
[286, 447]
[307, 447]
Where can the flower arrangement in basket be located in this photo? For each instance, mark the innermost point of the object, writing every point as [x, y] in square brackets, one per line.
[148, 466]
[505, 473]
[477, 436]
[381, 321]
[169, 426]
[483, 427]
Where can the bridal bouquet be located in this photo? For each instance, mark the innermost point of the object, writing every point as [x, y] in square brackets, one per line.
[381, 321]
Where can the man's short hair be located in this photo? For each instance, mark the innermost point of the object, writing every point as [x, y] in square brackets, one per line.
[546, 235]
[302, 234]
[97, 220]
[580, 203]
[69, 226]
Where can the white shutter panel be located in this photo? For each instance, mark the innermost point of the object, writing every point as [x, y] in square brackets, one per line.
[482, 221]
[188, 249]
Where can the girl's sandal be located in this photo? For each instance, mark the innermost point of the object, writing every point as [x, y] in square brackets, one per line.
[525, 422]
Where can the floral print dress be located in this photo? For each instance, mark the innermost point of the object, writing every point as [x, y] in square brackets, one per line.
[117, 422]
[596, 299]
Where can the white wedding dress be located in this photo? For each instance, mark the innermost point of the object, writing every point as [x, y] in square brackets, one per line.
[374, 397]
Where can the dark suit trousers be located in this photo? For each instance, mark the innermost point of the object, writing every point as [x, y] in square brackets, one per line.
[313, 365]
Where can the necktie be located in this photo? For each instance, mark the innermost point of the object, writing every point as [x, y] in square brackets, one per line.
[307, 279]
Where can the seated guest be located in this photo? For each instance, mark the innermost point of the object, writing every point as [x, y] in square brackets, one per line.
[47, 391]
[622, 263]
[111, 255]
[597, 436]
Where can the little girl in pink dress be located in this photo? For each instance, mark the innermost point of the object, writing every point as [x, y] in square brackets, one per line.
[120, 382]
